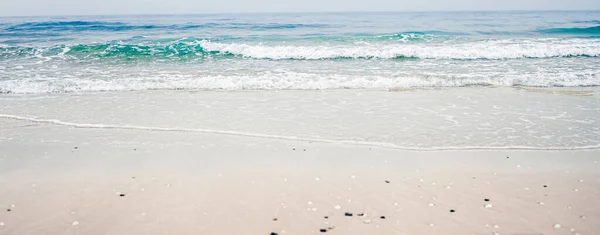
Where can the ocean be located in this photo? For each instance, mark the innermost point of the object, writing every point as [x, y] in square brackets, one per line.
[299, 51]
[413, 81]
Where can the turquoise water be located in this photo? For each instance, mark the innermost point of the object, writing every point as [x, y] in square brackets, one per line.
[299, 51]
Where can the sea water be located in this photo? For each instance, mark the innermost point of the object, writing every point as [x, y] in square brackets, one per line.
[308, 51]
[416, 81]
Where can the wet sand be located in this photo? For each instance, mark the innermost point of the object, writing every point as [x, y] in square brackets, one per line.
[58, 180]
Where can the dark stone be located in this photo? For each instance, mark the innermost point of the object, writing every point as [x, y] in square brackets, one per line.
[323, 230]
[487, 200]
[507, 157]
[134, 149]
[273, 233]
[382, 217]
[9, 210]
[294, 149]
[274, 219]
[348, 214]
[361, 214]
[76, 147]
[326, 217]
[122, 195]
[545, 186]
[387, 181]
[452, 211]
[304, 150]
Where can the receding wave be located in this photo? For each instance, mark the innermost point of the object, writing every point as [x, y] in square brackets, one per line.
[595, 30]
[177, 49]
[285, 137]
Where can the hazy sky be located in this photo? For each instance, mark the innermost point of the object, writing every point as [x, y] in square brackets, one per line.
[95, 7]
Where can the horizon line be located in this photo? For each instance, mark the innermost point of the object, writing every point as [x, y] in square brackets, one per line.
[295, 12]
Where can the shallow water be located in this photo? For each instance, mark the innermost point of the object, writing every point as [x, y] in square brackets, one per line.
[431, 119]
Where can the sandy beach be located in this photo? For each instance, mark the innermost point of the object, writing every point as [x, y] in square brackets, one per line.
[94, 170]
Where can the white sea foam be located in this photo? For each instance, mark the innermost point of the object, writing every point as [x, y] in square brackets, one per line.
[286, 80]
[490, 49]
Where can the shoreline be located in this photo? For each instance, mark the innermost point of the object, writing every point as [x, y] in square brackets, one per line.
[186, 183]
[84, 164]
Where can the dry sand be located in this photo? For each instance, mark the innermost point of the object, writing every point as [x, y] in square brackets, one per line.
[64, 180]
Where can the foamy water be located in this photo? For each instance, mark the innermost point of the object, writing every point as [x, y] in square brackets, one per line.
[298, 51]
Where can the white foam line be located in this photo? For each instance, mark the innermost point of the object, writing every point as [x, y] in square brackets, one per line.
[280, 137]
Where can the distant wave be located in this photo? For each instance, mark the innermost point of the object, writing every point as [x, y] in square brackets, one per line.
[595, 30]
[587, 21]
[205, 49]
[120, 26]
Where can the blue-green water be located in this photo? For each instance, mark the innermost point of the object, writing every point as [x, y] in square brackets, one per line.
[299, 51]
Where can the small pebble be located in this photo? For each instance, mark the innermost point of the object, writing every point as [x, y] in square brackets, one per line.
[9, 210]
[496, 226]
[488, 206]
[367, 221]
[382, 217]
[273, 233]
[1, 223]
[274, 219]
[348, 214]
[452, 211]
[487, 200]
[323, 230]
[387, 181]
[75, 223]
[122, 195]
[76, 147]
[431, 204]
[545, 186]
[541, 203]
[582, 217]
[326, 217]
[431, 225]
[361, 214]
[572, 230]
[557, 226]
[337, 207]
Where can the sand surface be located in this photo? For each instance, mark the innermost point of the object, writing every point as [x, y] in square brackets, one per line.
[66, 179]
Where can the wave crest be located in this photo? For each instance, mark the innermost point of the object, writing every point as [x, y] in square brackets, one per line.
[203, 49]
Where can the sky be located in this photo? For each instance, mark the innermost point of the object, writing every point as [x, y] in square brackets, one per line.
[109, 7]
